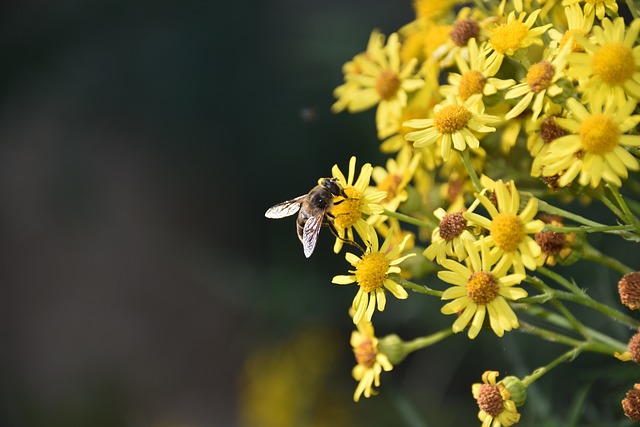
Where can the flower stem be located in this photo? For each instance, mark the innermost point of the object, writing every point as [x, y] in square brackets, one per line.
[592, 254]
[613, 229]
[566, 356]
[408, 219]
[422, 289]
[426, 341]
[546, 207]
[466, 160]
[629, 217]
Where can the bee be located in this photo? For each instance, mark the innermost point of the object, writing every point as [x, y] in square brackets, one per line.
[313, 211]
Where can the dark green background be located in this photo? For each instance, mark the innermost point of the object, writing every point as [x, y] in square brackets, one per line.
[140, 144]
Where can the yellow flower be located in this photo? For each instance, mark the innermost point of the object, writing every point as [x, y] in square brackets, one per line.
[372, 275]
[517, 33]
[474, 81]
[480, 289]
[447, 240]
[540, 84]
[509, 230]
[382, 80]
[363, 200]
[466, 26]
[609, 69]
[594, 149]
[394, 178]
[594, 8]
[371, 362]
[453, 123]
[577, 23]
[497, 409]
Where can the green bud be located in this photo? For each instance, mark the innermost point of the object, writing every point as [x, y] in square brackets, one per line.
[392, 347]
[516, 388]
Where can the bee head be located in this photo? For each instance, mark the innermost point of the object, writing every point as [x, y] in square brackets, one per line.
[332, 185]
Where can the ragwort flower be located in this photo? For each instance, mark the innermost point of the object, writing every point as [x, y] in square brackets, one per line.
[447, 239]
[382, 81]
[497, 409]
[348, 214]
[371, 273]
[593, 8]
[481, 288]
[371, 362]
[454, 123]
[595, 148]
[517, 33]
[509, 230]
[610, 66]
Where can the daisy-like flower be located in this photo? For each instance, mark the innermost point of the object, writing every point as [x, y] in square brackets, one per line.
[481, 288]
[577, 23]
[594, 149]
[540, 84]
[371, 362]
[497, 409]
[371, 273]
[516, 34]
[474, 81]
[610, 66]
[454, 123]
[348, 214]
[466, 26]
[394, 178]
[447, 239]
[382, 81]
[595, 7]
[543, 130]
[509, 230]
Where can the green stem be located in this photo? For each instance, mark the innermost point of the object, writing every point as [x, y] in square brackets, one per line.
[546, 207]
[422, 289]
[592, 254]
[408, 219]
[559, 321]
[567, 356]
[608, 203]
[629, 217]
[466, 160]
[548, 335]
[578, 296]
[613, 229]
[575, 323]
[426, 341]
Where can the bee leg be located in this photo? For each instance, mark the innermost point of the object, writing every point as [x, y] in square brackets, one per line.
[347, 241]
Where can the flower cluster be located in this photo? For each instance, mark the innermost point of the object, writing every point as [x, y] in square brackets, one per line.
[487, 113]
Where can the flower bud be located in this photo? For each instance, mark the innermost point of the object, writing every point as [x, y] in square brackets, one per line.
[393, 347]
[516, 388]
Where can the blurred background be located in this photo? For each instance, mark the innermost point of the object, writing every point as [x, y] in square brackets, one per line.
[140, 144]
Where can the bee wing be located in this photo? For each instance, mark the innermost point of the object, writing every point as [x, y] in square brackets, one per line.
[311, 232]
[285, 209]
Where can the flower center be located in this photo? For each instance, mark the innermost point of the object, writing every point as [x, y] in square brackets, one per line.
[463, 31]
[549, 130]
[575, 46]
[365, 353]
[451, 118]
[550, 242]
[387, 84]
[506, 38]
[507, 231]
[614, 63]
[482, 287]
[390, 184]
[347, 212]
[452, 225]
[371, 271]
[599, 134]
[472, 82]
[539, 76]
[490, 400]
